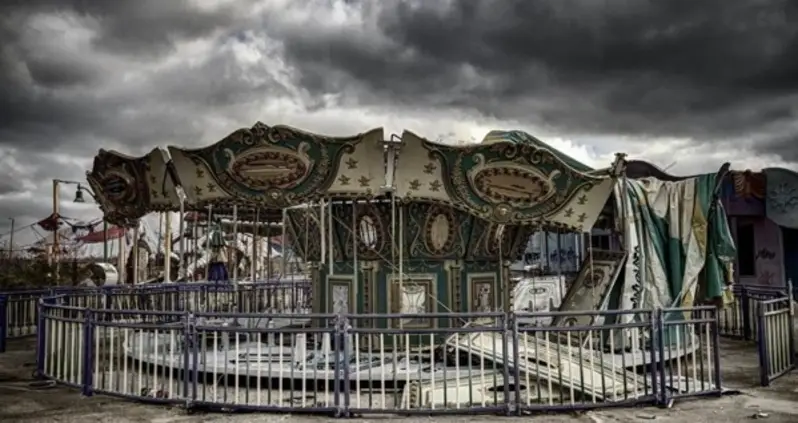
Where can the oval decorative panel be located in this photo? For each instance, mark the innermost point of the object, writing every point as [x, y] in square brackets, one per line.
[272, 167]
[512, 185]
[440, 229]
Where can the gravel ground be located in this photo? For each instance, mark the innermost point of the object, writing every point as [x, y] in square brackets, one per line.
[22, 402]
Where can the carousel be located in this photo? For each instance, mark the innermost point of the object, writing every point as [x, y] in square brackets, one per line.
[406, 234]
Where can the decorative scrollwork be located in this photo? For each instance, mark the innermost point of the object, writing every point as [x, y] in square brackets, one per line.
[274, 166]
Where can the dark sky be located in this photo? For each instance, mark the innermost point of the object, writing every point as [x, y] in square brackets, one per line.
[691, 82]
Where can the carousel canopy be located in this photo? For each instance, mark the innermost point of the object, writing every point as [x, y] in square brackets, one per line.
[510, 177]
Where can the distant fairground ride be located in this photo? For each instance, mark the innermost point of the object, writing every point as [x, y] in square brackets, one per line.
[408, 244]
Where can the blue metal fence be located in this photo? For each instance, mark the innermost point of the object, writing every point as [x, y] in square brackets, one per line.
[19, 309]
[258, 347]
[765, 316]
[167, 346]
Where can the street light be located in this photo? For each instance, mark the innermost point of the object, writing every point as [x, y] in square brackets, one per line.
[78, 199]
[79, 194]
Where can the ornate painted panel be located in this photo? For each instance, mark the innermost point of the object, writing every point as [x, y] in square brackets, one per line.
[591, 287]
[414, 294]
[461, 274]
[781, 201]
[342, 291]
[279, 166]
[121, 185]
[163, 195]
[368, 226]
[362, 169]
[199, 184]
[539, 294]
[436, 231]
[510, 177]
[483, 292]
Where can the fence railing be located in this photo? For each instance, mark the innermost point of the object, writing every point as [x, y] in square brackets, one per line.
[740, 318]
[258, 347]
[763, 315]
[339, 365]
[19, 309]
[776, 345]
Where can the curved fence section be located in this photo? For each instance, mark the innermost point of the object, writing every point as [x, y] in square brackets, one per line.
[218, 348]
[19, 310]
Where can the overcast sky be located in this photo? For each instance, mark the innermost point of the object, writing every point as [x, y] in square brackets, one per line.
[691, 82]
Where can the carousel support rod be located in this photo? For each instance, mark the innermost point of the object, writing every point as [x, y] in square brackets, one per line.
[331, 268]
[393, 238]
[323, 231]
[506, 306]
[401, 260]
[181, 272]
[208, 241]
[234, 259]
[546, 250]
[355, 272]
[167, 248]
[282, 257]
[194, 247]
[306, 243]
[105, 240]
[269, 257]
[255, 239]
[136, 253]
[120, 258]
[559, 256]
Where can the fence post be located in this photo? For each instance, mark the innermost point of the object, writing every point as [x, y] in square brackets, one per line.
[3, 321]
[189, 363]
[762, 347]
[186, 354]
[340, 350]
[791, 322]
[745, 309]
[654, 351]
[659, 342]
[88, 353]
[41, 336]
[508, 327]
[716, 348]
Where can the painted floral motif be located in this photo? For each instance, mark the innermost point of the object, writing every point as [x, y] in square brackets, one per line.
[783, 198]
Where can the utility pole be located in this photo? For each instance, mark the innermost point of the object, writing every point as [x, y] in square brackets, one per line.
[11, 239]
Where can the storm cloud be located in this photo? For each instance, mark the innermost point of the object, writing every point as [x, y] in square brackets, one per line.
[713, 80]
[709, 70]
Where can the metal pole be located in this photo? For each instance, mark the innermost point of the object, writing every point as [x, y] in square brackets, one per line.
[182, 246]
[105, 240]
[208, 241]
[234, 249]
[136, 253]
[255, 239]
[167, 249]
[11, 239]
[120, 259]
[55, 254]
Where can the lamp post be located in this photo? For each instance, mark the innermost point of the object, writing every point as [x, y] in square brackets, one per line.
[78, 199]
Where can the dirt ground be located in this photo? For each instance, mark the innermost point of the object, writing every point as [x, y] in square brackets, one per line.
[20, 401]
